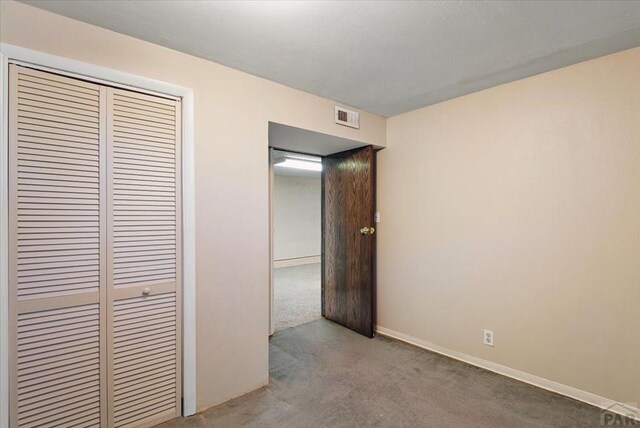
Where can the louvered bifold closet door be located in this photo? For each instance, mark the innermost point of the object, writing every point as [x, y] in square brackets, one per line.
[144, 269]
[57, 251]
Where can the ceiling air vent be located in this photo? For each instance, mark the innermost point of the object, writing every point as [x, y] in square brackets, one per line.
[347, 117]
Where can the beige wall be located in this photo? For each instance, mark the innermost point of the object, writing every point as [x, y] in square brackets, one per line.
[232, 111]
[515, 209]
[518, 209]
[296, 216]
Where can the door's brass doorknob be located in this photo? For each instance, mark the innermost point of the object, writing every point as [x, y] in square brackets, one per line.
[367, 230]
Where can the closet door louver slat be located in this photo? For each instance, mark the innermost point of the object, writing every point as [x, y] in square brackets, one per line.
[56, 236]
[144, 270]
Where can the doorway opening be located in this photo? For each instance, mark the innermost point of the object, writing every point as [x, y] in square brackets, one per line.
[322, 255]
[297, 189]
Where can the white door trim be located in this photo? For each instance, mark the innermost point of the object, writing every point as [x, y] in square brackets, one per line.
[4, 242]
[272, 322]
[123, 80]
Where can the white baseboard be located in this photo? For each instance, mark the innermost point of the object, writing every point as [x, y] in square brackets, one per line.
[549, 385]
[298, 261]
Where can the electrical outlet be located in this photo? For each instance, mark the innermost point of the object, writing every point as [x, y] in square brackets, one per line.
[488, 337]
[376, 217]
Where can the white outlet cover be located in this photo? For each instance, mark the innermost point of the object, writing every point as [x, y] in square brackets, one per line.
[488, 337]
[376, 217]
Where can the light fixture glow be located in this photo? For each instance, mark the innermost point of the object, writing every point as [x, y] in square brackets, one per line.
[300, 164]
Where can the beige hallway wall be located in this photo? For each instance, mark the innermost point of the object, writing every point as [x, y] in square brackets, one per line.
[232, 111]
[297, 222]
[517, 209]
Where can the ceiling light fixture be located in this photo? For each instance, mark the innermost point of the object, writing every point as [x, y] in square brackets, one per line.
[305, 164]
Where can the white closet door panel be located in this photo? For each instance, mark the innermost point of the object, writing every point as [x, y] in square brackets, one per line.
[144, 190]
[144, 201]
[51, 220]
[49, 343]
[56, 270]
[145, 352]
[95, 273]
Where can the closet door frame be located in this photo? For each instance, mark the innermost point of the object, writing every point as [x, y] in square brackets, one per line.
[118, 79]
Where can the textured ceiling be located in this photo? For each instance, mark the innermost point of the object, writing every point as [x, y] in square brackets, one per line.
[382, 57]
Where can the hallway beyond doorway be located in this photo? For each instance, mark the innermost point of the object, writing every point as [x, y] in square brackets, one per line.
[297, 295]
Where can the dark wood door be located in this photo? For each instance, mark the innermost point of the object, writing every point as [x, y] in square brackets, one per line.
[348, 239]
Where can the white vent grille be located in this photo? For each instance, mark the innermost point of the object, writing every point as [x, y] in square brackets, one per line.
[347, 117]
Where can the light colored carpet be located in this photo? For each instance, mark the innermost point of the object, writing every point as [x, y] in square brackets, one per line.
[324, 375]
[296, 295]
